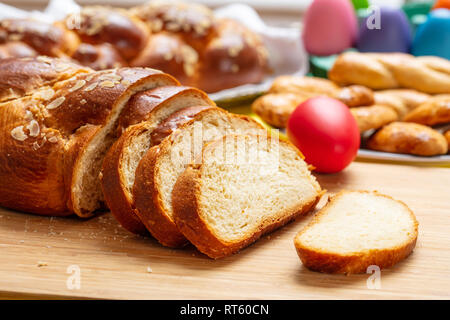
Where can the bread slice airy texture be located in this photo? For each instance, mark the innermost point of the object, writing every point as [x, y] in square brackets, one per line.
[357, 229]
[245, 186]
[119, 165]
[161, 166]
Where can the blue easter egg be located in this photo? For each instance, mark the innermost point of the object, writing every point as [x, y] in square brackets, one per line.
[385, 30]
[433, 36]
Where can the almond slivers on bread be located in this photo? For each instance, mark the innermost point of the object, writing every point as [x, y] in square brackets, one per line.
[357, 229]
[243, 187]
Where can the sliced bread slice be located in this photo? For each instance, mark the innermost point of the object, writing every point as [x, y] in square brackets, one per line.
[119, 166]
[160, 167]
[357, 229]
[243, 187]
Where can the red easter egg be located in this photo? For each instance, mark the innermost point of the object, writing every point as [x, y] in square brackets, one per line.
[325, 132]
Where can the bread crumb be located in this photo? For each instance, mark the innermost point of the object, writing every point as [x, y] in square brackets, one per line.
[42, 264]
[149, 270]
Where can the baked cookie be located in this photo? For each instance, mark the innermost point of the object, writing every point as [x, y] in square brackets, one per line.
[411, 98]
[392, 101]
[309, 86]
[432, 112]
[275, 108]
[409, 138]
[352, 96]
[373, 117]
[447, 136]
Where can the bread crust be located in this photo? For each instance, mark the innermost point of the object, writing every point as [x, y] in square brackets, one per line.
[447, 136]
[373, 117]
[275, 108]
[185, 40]
[142, 113]
[411, 98]
[189, 221]
[149, 206]
[54, 112]
[409, 138]
[392, 70]
[287, 92]
[146, 191]
[119, 201]
[329, 262]
[432, 112]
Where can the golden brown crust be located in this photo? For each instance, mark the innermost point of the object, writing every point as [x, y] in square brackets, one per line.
[373, 117]
[411, 98]
[45, 38]
[191, 224]
[447, 136]
[432, 112]
[397, 104]
[235, 56]
[100, 24]
[174, 121]
[149, 206]
[392, 70]
[73, 151]
[409, 138]
[62, 108]
[352, 96]
[16, 49]
[169, 52]
[21, 77]
[143, 114]
[139, 107]
[147, 190]
[275, 108]
[287, 92]
[328, 262]
[309, 86]
[355, 96]
[118, 200]
[31, 164]
[98, 57]
[183, 39]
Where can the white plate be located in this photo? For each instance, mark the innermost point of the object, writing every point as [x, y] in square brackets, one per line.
[397, 157]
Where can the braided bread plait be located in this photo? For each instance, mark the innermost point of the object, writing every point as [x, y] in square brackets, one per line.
[185, 40]
[392, 70]
[58, 120]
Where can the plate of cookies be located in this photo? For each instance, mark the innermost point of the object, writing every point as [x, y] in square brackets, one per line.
[401, 103]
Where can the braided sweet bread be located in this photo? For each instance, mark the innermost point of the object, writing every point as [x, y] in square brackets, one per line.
[287, 92]
[184, 40]
[59, 119]
[392, 70]
[410, 138]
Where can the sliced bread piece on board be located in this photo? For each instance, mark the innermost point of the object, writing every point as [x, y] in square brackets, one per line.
[357, 229]
[119, 166]
[160, 167]
[243, 187]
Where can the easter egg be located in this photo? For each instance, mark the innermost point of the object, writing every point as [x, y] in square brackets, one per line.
[385, 30]
[329, 27]
[442, 4]
[326, 133]
[433, 36]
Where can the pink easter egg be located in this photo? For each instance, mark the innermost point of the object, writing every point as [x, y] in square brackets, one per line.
[330, 26]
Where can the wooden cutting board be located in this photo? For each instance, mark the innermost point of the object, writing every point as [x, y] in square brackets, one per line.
[40, 256]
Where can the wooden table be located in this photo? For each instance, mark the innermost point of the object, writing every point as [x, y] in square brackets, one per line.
[36, 252]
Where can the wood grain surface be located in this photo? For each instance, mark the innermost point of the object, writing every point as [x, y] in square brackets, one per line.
[36, 252]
